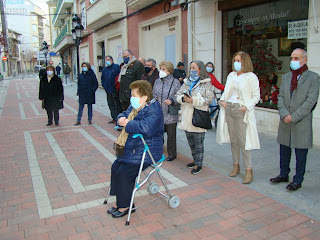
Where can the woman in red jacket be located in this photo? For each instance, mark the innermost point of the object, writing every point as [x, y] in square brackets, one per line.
[214, 81]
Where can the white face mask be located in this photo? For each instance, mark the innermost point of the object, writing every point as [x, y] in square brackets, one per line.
[50, 73]
[162, 74]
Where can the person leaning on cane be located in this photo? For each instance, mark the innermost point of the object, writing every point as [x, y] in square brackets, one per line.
[144, 116]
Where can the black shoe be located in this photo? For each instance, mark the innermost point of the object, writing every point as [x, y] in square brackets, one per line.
[89, 122]
[57, 123]
[191, 165]
[293, 186]
[279, 179]
[77, 123]
[48, 124]
[171, 158]
[118, 214]
[112, 121]
[112, 210]
[196, 170]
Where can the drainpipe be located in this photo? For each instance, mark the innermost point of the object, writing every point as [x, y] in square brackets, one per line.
[190, 34]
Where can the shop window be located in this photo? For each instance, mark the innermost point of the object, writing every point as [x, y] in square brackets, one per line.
[268, 33]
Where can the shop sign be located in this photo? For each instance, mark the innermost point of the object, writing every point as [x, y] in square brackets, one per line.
[298, 29]
[16, 11]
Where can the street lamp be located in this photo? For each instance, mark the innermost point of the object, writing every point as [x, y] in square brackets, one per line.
[45, 49]
[77, 34]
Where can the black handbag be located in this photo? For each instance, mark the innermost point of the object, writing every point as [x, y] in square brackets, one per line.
[201, 119]
[173, 109]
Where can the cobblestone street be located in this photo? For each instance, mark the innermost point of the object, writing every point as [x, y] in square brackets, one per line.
[53, 182]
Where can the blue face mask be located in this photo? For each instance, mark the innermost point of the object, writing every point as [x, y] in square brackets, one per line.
[194, 75]
[295, 65]
[84, 69]
[237, 66]
[209, 69]
[108, 63]
[126, 60]
[135, 102]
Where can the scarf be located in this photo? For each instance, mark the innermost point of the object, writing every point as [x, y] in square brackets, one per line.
[122, 139]
[295, 74]
[125, 66]
[192, 84]
[49, 78]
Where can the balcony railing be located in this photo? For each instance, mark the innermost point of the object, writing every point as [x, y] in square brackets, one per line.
[65, 31]
[62, 6]
[102, 12]
[139, 4]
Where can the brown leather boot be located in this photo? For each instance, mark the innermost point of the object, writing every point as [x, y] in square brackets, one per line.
[77, 123]
[248, 177]
[235, 170]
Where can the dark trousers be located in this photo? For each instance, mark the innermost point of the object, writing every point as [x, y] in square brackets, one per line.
[114, 104]
[171, 130]
[301, 159]
[54, 113]
[125, 105]
[90, 114]
[123, 178]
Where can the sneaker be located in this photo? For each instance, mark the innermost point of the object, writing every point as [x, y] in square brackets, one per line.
[77, 123]
[120, 129]
[196, 170]
[89, 122]
[112, 121]
[190, 165]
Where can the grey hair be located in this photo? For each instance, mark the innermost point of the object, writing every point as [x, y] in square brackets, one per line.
[304, 52]
[154, 63]
[129, 51]
[203, 72]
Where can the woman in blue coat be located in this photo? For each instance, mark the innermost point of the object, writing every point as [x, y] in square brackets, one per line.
[144, 116]
[87, 86]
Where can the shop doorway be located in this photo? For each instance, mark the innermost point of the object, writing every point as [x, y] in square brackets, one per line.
[264, 32]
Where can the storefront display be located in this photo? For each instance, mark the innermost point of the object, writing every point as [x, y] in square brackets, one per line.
[268, 32]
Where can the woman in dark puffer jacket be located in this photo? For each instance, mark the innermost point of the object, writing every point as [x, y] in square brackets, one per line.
[144, 116]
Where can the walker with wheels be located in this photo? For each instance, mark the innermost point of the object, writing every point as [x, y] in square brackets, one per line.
[173, 201]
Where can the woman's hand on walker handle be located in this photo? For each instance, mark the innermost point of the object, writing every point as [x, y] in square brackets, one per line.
[121, 121]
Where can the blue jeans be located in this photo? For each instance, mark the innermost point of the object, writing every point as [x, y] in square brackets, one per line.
[301, 159]
[81, 106]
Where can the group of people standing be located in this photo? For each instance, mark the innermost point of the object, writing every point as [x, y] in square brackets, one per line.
[195, 90]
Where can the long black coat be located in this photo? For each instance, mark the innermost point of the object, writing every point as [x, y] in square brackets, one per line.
[51, 93]
[87, 86]
[134, 72]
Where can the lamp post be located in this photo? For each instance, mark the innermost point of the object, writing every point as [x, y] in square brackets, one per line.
[77, 34]
[45, 50]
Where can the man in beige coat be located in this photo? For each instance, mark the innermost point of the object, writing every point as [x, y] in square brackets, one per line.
[298, 96]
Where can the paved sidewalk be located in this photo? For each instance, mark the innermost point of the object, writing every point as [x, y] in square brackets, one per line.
[53, 182]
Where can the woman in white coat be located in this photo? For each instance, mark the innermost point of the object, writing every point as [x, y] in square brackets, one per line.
[237, 123]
